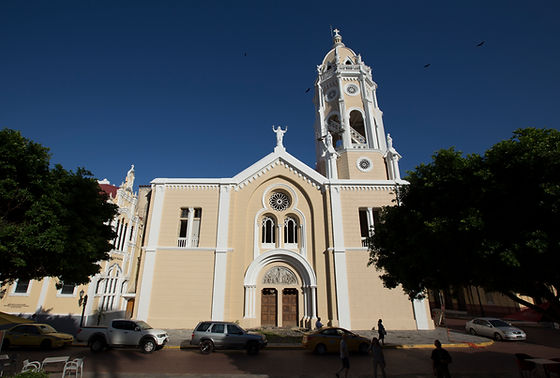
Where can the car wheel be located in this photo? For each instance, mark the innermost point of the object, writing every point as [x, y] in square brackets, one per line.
[498, 337]
[148, 345]
[321, 349]
[46, 344]
[252, 348]
[472, 331]
[97, 345]
[206, 346]
[6, 344]
[363, 348]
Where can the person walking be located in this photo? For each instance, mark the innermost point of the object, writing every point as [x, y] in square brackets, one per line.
[318, 323]
[440, 361]
[378, 357]
[344, 357]
[381, 331]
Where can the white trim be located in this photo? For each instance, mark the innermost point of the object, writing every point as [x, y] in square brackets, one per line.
[220, 257]
[341, 272]
[158, 194]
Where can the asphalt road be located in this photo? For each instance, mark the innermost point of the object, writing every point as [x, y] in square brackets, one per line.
[496, 360]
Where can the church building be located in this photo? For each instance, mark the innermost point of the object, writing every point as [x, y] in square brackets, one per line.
[282, 243]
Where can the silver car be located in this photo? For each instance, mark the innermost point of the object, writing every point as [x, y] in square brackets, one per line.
[494, 328]
[212, 335]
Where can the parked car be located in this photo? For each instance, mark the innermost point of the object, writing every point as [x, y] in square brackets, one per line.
[36, 335]
[123, 333]
[494, 328]
[327, 340]
[212, 335]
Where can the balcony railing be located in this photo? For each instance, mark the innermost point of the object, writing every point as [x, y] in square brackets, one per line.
[184, 242]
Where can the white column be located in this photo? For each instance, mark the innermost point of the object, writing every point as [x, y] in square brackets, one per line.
[190, 220]
[43, 295]
[158, 194]
[421, 314]
[313, 290]
[220, 259]
[341, 273]
[306, 306]
[303, 240]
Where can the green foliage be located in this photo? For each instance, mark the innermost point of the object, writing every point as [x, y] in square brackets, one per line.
[32, 374]
[490, 221]
[53, 222]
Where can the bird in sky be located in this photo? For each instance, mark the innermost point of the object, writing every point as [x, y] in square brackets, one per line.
[480, 44]
[427, 65]
[307, 90]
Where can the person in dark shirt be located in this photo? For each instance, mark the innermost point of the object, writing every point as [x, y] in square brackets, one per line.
[378, 357]
[440, 361]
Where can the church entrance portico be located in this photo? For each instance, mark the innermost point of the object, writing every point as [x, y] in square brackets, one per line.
[280, 290]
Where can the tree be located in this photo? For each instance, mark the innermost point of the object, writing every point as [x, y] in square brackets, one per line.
[490, 221]
[53, 222]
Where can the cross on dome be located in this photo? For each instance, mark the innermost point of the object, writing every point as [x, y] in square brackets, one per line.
[336, 31]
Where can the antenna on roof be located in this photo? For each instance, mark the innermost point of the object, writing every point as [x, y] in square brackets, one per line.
[331, 31]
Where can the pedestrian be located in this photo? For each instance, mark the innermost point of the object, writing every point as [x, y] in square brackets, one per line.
[378, 357]
[318, 323]
[440, 361]
[381, 331]
[344, 357]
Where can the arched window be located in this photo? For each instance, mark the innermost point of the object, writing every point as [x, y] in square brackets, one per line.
[335, 128]
[111, 295]
[357, 129]
[290, 231]
[268, 231]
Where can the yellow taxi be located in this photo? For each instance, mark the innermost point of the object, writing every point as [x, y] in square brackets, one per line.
[327, 340]
[37, 335]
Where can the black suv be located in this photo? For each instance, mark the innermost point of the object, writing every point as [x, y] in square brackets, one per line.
[225, 335]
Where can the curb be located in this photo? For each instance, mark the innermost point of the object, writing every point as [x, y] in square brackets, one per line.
[390, 346]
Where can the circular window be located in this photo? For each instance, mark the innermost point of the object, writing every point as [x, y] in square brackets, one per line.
[364, 164]
[279, 201]
[352, 89]
[331, 94]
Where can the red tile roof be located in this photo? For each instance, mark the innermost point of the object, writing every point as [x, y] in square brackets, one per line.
[111, 190]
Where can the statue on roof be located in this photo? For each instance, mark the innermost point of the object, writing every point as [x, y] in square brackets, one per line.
[279, 135]
[129, 180]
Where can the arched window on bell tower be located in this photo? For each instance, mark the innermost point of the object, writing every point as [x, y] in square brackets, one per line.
[335, 128]
[357, 128]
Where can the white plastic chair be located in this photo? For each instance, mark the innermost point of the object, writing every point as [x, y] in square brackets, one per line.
[74, 366]
[31, 366]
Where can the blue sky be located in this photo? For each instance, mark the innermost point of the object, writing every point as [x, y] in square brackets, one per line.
[192, 88]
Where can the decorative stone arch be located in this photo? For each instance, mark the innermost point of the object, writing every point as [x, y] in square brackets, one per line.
[292, 209]
[299, 264]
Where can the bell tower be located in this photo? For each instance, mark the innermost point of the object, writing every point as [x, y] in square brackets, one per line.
[350, 137]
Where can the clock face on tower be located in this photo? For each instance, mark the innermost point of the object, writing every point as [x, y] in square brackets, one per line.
[331, 94]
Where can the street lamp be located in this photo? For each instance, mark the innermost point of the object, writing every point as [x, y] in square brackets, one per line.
[82, 302]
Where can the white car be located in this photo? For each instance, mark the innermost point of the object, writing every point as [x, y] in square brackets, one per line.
[494, 328]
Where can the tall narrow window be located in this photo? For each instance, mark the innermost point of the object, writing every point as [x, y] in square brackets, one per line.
[364, 224]
[290, 231]
[189, 227]
[123, 238]
[268, 234]
[357, 129]
[368, 218]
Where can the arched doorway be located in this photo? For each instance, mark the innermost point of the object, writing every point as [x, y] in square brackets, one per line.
[274, 269]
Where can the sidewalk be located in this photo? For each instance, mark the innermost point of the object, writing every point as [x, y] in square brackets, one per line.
[180, 338]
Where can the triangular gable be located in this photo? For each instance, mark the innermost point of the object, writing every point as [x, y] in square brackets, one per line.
[283, 158]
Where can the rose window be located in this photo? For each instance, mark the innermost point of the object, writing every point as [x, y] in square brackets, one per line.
[364, 164]
[279, 201]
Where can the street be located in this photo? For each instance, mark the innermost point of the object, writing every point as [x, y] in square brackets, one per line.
[496, 360]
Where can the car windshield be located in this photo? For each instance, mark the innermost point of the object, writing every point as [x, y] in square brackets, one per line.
[143, 325]
[499, 323]
[45, 328]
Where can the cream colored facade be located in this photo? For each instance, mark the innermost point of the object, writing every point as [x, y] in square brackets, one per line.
[110, 293]
[281, 243]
